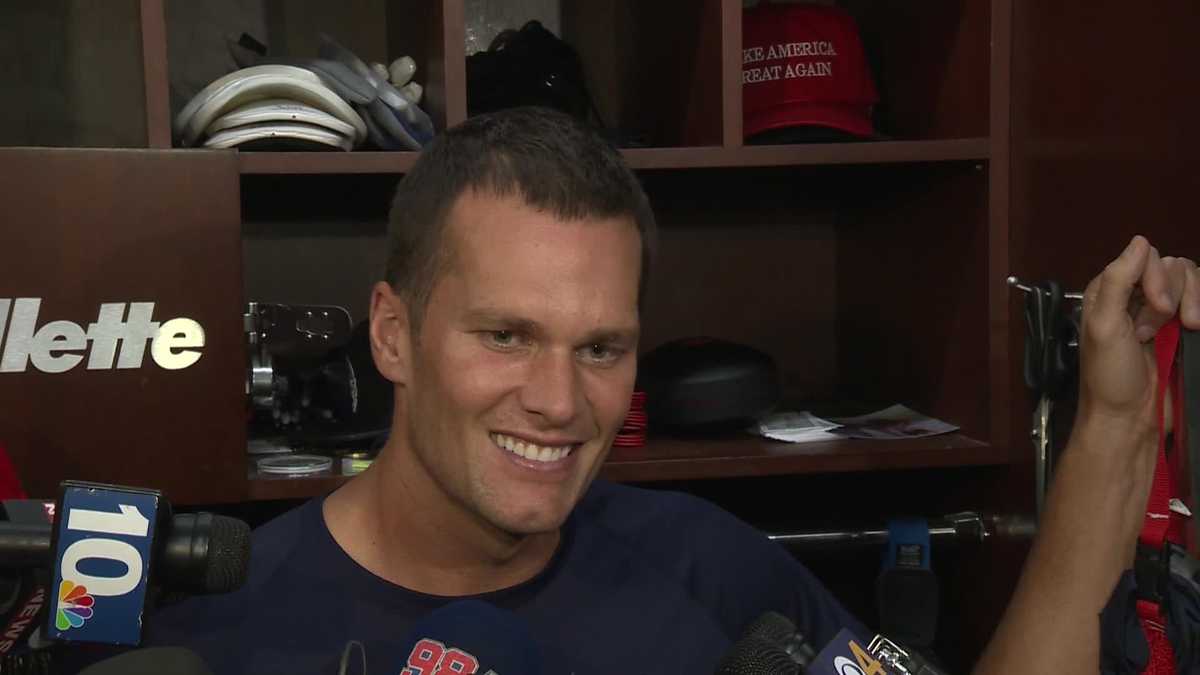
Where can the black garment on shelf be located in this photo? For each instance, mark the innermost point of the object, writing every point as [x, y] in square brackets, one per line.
[530, 66]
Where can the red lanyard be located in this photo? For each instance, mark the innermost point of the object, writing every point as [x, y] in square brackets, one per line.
[1163, 525]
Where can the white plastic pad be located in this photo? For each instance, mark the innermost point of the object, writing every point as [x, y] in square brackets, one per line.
[279, 110]
[281, 131]
[256, 83]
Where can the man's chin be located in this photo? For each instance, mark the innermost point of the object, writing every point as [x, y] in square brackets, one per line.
[532, 526]
[530, 510]
[525, 523]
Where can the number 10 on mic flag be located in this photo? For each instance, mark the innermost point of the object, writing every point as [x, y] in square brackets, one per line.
[103, 537]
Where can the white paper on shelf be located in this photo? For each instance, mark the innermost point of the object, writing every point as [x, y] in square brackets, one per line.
[795, 427]
[896, 421]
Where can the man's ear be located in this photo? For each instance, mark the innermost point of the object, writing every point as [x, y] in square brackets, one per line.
[391, 341]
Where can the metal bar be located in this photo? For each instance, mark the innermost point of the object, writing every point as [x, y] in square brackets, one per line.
[26, 546]
[837, 537]
[967, 526]
[1016, 283]
[1043, 451]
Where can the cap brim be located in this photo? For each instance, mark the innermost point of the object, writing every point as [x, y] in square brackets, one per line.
[853, 119]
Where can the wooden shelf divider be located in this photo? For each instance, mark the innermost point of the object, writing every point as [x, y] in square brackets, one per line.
[367, 161]
[154, 73]
[731, 72]
[884, 152]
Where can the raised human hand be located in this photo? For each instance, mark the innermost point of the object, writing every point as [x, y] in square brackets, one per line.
[1123, 308]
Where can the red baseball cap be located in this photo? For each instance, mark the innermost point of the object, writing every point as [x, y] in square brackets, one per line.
[804, 65]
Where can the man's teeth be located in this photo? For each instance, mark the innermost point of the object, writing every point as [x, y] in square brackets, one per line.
[530, 450]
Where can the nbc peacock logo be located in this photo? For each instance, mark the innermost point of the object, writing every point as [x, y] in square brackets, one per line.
[74, 605]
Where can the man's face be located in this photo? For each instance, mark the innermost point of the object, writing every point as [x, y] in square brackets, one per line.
[526, 359]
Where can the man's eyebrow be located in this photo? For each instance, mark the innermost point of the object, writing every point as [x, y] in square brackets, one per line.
[614, 335]
[498, 318]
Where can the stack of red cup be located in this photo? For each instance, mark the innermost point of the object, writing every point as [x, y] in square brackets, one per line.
[633, 431]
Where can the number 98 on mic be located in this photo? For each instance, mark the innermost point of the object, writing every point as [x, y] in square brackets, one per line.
[103, 537]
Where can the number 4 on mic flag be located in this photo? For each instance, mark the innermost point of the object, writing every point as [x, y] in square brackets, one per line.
[846, 654]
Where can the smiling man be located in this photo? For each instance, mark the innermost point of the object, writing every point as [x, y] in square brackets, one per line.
[512, 377]
[508, 323]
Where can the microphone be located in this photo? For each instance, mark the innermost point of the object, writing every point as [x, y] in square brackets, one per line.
[106, 545]
[24, 591]
[471, 637]
[199, 553]
[780, 631]
[846, 655]
[754, 655]
[204, 553]
[151, 661]
[772, 645]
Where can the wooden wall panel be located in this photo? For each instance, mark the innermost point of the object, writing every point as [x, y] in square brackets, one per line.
[653, 68]
[912, 289]
[1104, 113]
[749, 256]
[86, 227]
[1104, 105]
[71, 74]
[931, 62]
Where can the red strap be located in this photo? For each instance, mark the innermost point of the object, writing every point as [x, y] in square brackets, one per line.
[1161, 524]
[1177, 532]
[1162, 654]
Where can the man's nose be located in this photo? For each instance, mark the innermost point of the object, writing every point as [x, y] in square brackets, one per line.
[553, 389]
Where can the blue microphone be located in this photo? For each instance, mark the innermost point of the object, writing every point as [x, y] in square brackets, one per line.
[471, 637]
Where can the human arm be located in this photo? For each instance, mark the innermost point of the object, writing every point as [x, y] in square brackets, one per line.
[1096, 505]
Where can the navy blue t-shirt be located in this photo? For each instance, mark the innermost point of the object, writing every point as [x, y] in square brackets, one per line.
[643, 581]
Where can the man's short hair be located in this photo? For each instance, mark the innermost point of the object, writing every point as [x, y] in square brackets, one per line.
[550, 160]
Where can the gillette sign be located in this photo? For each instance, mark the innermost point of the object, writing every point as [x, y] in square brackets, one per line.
[59, 346]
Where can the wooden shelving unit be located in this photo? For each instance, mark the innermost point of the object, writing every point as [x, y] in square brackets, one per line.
[804, 236]
[943, 154]
[871, 271]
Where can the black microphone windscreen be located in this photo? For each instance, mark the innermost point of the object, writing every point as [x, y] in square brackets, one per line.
[781, 632]
[151, 661]
[772, 627]
[229, 555]
[205, 553]
[756, 656]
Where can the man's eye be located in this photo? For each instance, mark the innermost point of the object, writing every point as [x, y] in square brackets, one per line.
[503, 338]
[601, 353]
